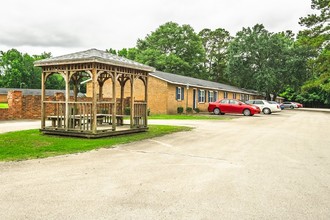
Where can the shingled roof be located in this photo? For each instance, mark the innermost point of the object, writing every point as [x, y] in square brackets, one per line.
[93, 55]
[199, 83]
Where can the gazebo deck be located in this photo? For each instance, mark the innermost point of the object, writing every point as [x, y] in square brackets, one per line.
[103, 131]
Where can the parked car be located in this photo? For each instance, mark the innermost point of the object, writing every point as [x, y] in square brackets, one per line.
[265, 106]
[290, 105]
[232, 106]
[299, 105]
[279, 104]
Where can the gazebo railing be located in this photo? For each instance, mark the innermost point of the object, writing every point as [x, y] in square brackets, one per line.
[80, 114]
[140, 114]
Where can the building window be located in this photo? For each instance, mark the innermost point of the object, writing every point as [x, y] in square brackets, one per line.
[234, 95]
[242, 97]
[211, 96]
[215, 96]
[225, 95]
[179, 93]
[201, 95]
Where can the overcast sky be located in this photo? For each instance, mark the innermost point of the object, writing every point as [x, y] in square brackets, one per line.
[65, 26]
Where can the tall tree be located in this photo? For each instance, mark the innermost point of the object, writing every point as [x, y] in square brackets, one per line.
[18, 71]
[173, 48]
[215, 44]
[317, 36]
[264, 61]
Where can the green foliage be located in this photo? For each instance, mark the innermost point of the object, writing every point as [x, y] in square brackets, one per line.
[112, 51]
[289, 94]
[188, 117]
[3, 105]
[215, 44]
[197, 110]
[316, 36]
[17, 70]
[189, 110]
[23, 145]
[180, 110]
[172, 48]
[127, 110]
[265, 61]
[317, 90]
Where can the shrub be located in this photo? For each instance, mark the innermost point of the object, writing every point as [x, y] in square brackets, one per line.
[197, 110]
[127, 110]
[189, 110]
[180, 110]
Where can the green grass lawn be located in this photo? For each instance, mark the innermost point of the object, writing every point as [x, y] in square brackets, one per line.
[190, 117]
[3, 105]
[30, 144]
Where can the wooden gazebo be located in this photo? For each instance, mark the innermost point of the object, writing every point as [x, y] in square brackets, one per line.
[94, 117]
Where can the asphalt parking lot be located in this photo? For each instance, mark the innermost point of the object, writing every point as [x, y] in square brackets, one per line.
[261, 167]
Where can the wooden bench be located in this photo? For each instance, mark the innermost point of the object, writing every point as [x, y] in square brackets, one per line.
[107, 118]
[120, 119]
[57, 121]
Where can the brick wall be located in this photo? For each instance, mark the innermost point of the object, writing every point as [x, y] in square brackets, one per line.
[26, 106]
[29, 106]
[3, 97]
[4, 114]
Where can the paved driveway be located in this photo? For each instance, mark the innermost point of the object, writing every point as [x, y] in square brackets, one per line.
[264, 167]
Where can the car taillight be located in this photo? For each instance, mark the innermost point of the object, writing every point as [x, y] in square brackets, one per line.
[278, 106]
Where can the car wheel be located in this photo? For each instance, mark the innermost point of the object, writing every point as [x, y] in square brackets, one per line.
[246, 112]
[292, 107]
[266, 111]
[216, 111]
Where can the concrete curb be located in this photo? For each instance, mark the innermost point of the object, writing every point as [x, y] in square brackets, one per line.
[326, 110]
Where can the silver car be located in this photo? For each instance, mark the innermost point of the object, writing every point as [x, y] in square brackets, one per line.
[290, 105]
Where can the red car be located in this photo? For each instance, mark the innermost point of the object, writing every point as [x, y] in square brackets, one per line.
[299, 105]
[232, 106]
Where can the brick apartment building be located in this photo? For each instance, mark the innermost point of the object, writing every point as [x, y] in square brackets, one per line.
[168, 91]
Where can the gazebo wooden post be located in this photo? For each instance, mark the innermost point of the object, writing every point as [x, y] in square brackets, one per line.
[114, 99]
[146, 101]
[75, 91]
[94, 102]
[132, 100]
[100, 90]
[43, 123]
[122, 87]
[67, 99]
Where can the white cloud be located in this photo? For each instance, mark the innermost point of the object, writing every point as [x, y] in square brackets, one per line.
[69, 25]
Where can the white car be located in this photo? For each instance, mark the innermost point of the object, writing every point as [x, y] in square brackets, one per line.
[265, 106]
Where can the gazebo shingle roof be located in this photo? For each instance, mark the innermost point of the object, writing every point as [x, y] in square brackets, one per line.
[94, 55]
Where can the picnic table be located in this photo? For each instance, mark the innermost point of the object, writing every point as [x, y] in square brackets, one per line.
[75, 120]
